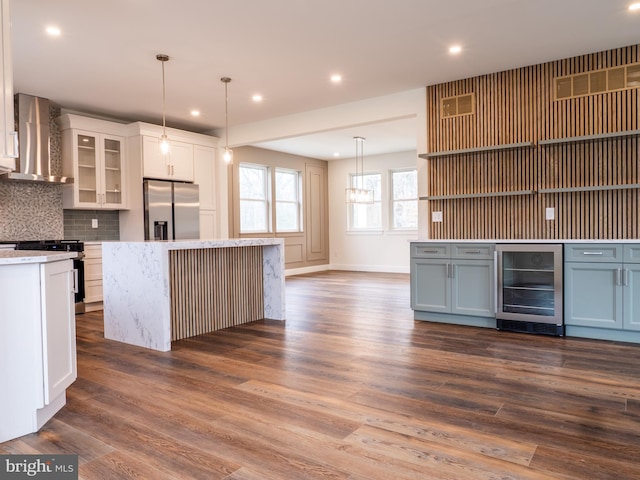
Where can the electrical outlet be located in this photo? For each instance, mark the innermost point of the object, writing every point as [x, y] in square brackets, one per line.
[550, 213]
[94, 223]
[436, 216]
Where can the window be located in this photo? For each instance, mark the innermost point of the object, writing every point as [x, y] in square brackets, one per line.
[404, 199]
[254, 198]
[288, 201]
[367, 216]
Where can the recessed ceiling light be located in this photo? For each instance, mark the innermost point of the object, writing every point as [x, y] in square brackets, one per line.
[634, 6]
[336, 154]
[455, 49]
[257, 98]
[53, 31]
[336, 78]
[195, 113]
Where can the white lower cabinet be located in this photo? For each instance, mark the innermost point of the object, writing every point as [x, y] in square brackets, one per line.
[37, 344]
[93, 276]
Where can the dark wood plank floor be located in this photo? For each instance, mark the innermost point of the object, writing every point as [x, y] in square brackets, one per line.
[350, 387]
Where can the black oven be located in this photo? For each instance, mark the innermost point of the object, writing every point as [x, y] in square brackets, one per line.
[64, 246]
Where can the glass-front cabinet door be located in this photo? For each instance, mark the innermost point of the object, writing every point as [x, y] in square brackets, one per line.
[94, 155]
[112, 170]
[98, 171]
[87, 172]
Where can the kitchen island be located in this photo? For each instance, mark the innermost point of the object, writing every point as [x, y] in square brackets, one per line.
[159, 292]
[37, 338]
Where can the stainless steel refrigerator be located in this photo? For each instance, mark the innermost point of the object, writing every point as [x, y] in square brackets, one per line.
[171, 210]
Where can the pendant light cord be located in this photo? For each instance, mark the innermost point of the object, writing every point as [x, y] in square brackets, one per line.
[162, 58]
[226, 115]
[164, 103]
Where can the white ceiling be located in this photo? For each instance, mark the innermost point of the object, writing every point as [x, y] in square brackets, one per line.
[104, 61]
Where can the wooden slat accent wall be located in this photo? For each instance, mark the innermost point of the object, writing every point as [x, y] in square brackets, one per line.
[518, 106]
[214, 288]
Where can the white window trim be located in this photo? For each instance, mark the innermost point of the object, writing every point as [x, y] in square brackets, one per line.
[298, 202]
[266, 201]
[392, 201]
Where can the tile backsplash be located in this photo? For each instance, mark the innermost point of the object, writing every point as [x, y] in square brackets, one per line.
[30, 211]
[78, 225]
[33, 211]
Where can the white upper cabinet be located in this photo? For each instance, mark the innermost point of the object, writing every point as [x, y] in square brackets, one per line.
[95, 158]
[8, 135]
[175, 165]
[204, 159]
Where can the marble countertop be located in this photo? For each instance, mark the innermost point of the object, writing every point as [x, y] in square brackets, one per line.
[13, 257]
[190, 244]
[528, 240]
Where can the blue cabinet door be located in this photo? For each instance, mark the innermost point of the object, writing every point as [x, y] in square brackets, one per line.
[430, 285]
[631, 281]
[593, 295]
[473, 288]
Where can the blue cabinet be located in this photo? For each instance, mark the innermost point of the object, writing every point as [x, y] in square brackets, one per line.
[452, 278]
[602, 287]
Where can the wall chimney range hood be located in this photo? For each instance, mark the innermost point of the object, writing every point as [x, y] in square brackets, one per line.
[32, 124]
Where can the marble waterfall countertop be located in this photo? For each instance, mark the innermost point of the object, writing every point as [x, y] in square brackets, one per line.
[13, 257]
[137, 290]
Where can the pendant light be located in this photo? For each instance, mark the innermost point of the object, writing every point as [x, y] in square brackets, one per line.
[164, 142]
[228, 153]
[357, 193]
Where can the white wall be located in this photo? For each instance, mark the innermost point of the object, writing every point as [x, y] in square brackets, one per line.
[385, 251]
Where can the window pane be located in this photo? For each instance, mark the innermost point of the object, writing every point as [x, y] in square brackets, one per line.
[288, 201]
[253, 216]
[287, 217]
[287, 186]
[405, 214]
[405, 185]
[367, 216]
[369, 181]
[252, 182]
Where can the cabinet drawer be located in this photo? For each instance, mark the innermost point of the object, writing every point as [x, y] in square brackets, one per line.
[430, 250]
[631, 253]
[480, 251]
[93, 250]
[93, 269]
[593, 252]
[93, 291]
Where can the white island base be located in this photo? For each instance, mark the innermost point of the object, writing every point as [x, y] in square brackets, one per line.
[159, 292]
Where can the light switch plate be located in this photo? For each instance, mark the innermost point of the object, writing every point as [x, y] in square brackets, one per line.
[550, 213]
[94, 223]
[436, 216]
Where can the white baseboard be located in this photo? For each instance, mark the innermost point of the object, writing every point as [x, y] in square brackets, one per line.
[348, 268]
[370, 268]
[303, 270]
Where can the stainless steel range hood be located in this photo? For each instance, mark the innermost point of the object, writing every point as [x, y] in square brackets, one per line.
[34, 162]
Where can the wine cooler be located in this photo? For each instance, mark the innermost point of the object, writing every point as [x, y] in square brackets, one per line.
[530, 288]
